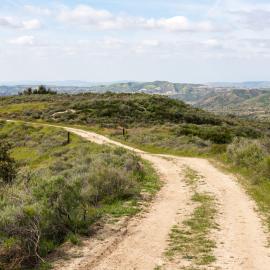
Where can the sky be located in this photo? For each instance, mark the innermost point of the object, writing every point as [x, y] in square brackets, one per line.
[143, 40]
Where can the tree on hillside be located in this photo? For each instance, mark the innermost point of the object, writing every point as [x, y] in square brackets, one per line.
[28, 91]
[8, 168]
[41, 90]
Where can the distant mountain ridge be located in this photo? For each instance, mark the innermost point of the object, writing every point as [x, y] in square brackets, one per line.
[156, 87]
[243, 101]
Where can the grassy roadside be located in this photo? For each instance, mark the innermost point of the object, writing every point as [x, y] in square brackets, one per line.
[258, 187]
[253, 174]
[258, 190]
[57, 196]
[110, 133]
[191, 240]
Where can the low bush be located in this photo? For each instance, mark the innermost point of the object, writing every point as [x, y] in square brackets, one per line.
[252, 158]
[215, 134]
[246, 153]
[61, 191]
[8, 166]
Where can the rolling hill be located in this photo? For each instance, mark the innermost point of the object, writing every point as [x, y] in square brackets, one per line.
[252, 103]
[217, 98]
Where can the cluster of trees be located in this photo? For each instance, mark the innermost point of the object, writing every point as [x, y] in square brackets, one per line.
[41, 90]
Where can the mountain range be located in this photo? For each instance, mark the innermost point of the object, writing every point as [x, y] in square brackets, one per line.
[247, 99]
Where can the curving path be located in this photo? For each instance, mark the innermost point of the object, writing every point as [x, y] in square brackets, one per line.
[241, 240]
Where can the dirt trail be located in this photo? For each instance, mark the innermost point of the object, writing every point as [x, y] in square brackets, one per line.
[140, 244]
[145, 239]
[241, 241]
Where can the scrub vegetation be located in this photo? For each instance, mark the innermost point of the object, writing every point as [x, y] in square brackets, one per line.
[53, 190]
[153, 123]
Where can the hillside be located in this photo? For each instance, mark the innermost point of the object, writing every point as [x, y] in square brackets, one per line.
[9, 90]
[151, 120]
[220, 99]
[105, 109]
[245, 103]
[156, 87]
[236, 99]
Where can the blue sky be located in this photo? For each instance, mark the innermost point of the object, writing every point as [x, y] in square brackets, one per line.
[181, 41]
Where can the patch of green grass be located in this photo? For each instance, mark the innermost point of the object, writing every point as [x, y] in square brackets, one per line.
[24, 153]
[153, 182]
[20, 107]
[191, 240]
[73, 239]
[191, 177]
[258, 191]
[120, 208]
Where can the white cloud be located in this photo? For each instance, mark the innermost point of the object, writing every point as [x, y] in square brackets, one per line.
[150, 43]
[31, 24]
[37, 10]
[23, 41]
[11, 22]
[254, 19]
[102, 19]
[113, 43]
[86, 15]
[241, 15]
[212, 43]
[146, 46]
[178, 23]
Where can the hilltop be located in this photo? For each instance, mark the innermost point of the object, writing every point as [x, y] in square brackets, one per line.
[168, 122]
[105, 109]
[247, 99]
[220, 98]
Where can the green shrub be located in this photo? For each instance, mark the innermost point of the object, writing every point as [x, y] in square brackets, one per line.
[246, 153]
[111, 184]
[218, 149]
[215, 134]
[8, 166]
[60, 190]
[265, 168]
[73, 239]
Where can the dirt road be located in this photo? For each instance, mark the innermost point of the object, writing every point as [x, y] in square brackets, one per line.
[241, 240]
